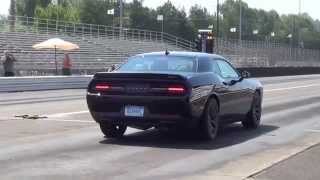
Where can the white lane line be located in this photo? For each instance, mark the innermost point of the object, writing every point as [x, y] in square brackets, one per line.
[313, 130]
[57, 120]
[66, 114]
[290, 88]
[62, 120]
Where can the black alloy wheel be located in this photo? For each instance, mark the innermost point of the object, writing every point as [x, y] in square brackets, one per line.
[210, 121]
[253, 118]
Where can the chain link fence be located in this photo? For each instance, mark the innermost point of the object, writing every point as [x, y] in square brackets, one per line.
[266, 54]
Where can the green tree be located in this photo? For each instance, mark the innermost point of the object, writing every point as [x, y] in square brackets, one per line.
[44, 3]
[142, 17]
[200, 18]
[28, 7]
[176, 21]
[95, 12]
[13, 14]
[58, 12]
[230, 11]
[302, 27]
[252, 19]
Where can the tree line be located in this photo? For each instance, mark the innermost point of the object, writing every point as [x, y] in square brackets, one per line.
[294, 29]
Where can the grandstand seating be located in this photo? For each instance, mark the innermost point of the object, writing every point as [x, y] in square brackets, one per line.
[95, 53]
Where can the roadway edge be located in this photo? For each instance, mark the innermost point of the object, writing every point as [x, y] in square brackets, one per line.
[248, 166]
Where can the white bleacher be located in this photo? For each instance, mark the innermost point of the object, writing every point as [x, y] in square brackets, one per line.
[95, 53]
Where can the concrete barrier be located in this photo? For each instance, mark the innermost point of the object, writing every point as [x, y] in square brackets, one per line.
[280, 71]
[16, 84]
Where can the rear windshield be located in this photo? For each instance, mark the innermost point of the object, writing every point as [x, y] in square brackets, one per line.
[160, 63]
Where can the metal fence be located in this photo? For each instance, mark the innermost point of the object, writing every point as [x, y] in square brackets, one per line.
[30, 24]
[266, 54]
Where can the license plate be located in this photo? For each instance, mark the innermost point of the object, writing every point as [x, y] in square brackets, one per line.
[134, 111]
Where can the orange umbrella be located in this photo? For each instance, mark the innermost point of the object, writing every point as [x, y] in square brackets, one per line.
[56, 44]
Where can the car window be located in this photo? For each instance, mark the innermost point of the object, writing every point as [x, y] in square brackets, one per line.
[208, 65]
[215, 67]
[160, 63]
[226, 70]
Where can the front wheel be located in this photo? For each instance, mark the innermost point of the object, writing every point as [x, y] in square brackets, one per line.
[112, 130]
[210, 121]
[253, 119]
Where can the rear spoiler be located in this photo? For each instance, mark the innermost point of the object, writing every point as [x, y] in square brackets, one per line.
[144, 76]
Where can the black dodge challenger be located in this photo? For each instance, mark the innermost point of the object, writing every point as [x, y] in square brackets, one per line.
[167, 90]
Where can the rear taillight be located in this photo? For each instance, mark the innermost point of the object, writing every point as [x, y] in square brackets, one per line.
[110, 88]
[102, 87]
[176, 89]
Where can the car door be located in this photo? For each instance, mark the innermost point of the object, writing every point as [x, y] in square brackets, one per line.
[235, 97]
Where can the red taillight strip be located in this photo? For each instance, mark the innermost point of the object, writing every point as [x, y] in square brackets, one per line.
[102, 87]
[177, 89]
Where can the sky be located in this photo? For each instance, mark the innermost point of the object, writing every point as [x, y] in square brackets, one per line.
[281, 6]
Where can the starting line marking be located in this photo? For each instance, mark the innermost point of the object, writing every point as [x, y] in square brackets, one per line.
[57, 120]
[66, 114]
[62, 120]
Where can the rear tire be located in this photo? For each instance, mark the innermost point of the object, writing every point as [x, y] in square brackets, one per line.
[253, 118]
[210, 121]
[112, 130]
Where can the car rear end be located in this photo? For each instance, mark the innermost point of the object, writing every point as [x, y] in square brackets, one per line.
[139, 100]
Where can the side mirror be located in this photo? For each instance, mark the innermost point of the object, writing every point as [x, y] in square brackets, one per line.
[245, 74]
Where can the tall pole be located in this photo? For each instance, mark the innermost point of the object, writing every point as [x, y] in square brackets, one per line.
[55, 59]
[240, 22]
[121, 17]
[299, 7]
[217, 33]
[162, 29]
[299, 35]
[293, 31]
[57, 20]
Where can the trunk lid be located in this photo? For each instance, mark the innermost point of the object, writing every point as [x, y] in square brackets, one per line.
[139, 84]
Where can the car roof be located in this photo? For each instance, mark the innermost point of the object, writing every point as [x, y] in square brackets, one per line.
[182, 53]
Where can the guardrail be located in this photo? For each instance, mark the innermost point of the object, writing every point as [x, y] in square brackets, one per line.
[38, 83]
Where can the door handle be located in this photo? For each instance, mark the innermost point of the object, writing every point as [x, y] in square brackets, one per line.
[225, 83]
[231, 83]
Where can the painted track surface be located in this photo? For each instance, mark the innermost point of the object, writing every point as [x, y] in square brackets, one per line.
[69, 145]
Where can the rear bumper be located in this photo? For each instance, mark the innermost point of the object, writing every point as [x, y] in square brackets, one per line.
[159, 110]
[154, 120]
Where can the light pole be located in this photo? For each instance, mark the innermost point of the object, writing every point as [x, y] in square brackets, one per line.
[240, 22]
[218, 13]
[299, 7]
[299, 28]
[218, 25]
[56, 3]
[121, 17]
[162, 29]
[255, 33]
[160, 18]
[273, 34]
[290, 41]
